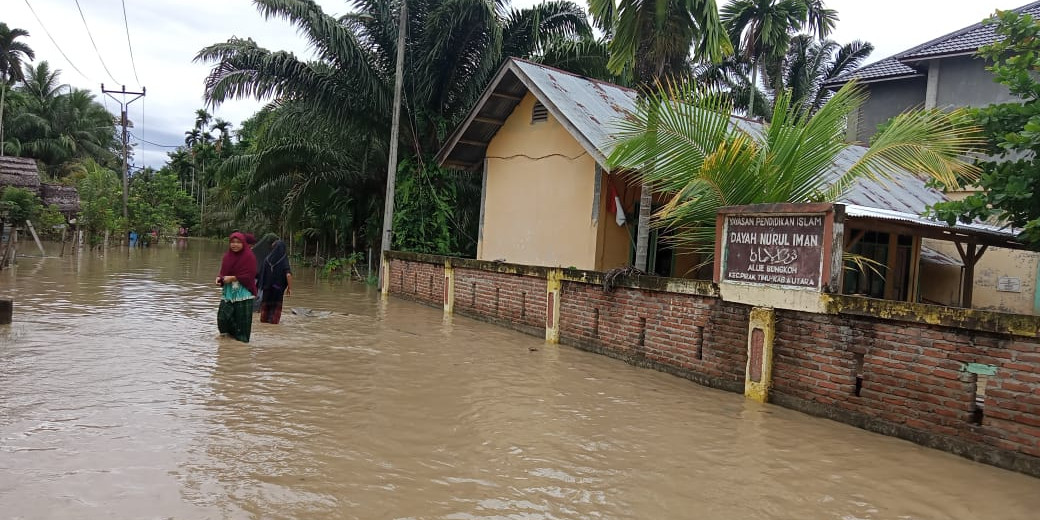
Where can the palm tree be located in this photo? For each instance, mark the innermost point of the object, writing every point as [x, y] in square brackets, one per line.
[809, 64]
[707, 160]
[761, 29]
[12, 54]
[653, 38]
[453, 50]
[57, 124]
[202, 119]
[223, 129]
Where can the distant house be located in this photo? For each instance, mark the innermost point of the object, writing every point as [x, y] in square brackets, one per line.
[20, 172]
[945, 73]
[540, 138]
[942, 73]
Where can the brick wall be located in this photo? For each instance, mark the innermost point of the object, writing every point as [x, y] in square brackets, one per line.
[501, 297]
[698, 337]
[897, 376]
[912, 381]
[417, 280]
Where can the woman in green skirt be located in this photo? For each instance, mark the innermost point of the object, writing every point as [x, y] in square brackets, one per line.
[238, 279]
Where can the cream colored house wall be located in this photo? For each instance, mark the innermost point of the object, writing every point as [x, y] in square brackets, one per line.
[993, 265]
[539, 195]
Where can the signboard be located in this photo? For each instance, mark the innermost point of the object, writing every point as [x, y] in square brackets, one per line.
[775, 249]
[1009, 284]
[780, 245]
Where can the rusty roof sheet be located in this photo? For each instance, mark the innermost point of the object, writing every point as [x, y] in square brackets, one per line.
[589, 109]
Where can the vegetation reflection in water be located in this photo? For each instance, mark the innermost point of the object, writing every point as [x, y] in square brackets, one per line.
[119, 400]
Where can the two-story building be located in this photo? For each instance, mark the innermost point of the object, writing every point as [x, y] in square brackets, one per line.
[945, 73]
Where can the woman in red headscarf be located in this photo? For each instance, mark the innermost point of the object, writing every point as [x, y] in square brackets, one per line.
[238, 279]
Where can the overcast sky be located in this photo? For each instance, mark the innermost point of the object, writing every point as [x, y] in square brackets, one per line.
[166, 34]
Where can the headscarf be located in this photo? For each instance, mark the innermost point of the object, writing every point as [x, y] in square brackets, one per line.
[241, 265]
[262, 248]
[276, 266]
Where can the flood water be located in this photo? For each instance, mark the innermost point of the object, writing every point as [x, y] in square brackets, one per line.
[119, 400]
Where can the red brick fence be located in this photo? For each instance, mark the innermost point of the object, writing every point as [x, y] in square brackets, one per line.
[963, 381]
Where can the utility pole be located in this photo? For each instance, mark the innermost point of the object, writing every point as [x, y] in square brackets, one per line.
[123, 122]
[391, 167]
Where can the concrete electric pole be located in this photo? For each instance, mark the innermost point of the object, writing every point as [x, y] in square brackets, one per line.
[391, 167]
[123, 122]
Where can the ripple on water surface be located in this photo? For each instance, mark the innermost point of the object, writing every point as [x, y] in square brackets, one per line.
[118, 400]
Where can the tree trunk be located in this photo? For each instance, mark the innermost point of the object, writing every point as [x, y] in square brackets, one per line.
[646, 201]
[751, 98]
[3, 94]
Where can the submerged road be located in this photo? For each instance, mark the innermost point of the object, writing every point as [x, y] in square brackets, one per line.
[119, 400]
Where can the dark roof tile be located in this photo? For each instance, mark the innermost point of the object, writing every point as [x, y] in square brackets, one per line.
[962, 41]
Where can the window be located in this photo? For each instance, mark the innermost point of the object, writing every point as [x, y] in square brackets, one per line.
[539, 114]
[869, 276]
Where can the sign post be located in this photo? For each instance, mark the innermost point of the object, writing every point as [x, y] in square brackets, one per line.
[774, 256]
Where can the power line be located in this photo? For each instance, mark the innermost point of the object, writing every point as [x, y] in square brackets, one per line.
[130, 45]
[155, 144]
[48, 33]
[96, 51]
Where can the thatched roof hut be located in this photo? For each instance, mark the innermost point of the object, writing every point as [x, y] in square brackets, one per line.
[65, 197]
[19, 172]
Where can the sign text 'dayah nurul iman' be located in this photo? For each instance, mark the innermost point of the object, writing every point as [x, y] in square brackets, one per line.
[775, 250]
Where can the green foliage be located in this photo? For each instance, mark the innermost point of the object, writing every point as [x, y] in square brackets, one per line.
[1010, 182]
[154, 201]
[24, 205]
[704, 161]
[101, 200]
[424, 214]
[47, 220]
[341, 266]
[314, 161]
[56, 124]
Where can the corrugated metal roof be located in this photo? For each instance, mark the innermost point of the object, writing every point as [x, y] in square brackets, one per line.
[592, 107]
[589, 109]
[857, 211]
[961, 41]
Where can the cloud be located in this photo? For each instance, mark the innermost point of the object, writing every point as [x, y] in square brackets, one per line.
[166, 35]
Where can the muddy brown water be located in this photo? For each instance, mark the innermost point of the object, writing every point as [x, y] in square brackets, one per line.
[118, 400]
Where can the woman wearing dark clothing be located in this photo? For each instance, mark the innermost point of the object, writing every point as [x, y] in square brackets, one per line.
[275, 283]
[238, 282]
[261, 249]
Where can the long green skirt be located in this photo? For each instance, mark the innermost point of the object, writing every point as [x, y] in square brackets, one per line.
[236, 319]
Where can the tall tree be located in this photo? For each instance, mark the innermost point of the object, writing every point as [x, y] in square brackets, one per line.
[454, 48]
[13, 54]
[762, 29]
[57, 124]
[653, 38]
[809, 64]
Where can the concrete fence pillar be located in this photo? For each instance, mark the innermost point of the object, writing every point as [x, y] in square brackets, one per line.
[554, 281]
[449, 287]
[386, 276]
[758, 376]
